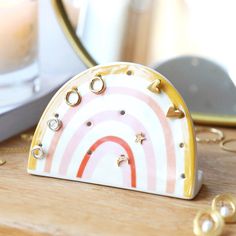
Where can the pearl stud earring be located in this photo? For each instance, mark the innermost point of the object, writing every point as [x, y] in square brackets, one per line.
[225, 204]
[208, 223]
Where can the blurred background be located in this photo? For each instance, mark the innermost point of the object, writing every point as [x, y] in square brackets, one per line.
[21, 104]
[44, 43]
[150, 31]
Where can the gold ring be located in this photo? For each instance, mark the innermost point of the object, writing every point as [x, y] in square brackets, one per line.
[101, 87]
[37, 152]
[225, 204]
[208, 223]
[224, 147]
[76, 99]
[218, 132]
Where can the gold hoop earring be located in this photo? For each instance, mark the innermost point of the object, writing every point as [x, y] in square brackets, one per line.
[97, 80]
[73, 98]
[219, 133]
[224, 147]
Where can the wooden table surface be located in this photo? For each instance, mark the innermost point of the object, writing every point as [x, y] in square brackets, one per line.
[32, 205]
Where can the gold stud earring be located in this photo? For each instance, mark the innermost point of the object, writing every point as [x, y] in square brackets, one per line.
[121, 159]
[140, 137]
[225, 204]
[37, 152]
[155, 86]
[97, 85]
[55, 123]
[208, 223]
[73, 97]
[174, 113]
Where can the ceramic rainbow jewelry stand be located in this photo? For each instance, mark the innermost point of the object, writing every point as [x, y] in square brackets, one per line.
[122, 125]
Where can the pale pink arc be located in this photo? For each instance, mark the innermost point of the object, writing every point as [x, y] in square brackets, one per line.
[99, 154]
[135, 124]
[170, 147]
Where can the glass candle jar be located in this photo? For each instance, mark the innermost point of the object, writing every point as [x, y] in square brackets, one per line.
[18, 50]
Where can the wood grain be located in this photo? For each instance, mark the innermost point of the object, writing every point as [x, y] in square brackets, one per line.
[32, 205]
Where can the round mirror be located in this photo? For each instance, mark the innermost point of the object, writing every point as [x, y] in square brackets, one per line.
[191, 42]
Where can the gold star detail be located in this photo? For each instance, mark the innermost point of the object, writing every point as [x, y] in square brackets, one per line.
[140, 138]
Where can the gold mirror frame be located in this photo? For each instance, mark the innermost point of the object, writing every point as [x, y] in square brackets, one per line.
[87, 59]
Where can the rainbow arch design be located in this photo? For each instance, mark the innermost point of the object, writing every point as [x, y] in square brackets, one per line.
[103, 126]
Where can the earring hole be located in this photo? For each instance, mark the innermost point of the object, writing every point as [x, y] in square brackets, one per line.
[89, 152]
[181, 145]
[122, 112]
[182, 176]
[129, 72]
[89, 123]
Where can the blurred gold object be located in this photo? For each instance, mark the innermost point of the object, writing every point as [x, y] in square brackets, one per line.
[219, 133]
[208, 223]
[224, 147]
[14, 149]
[225, 204]
[26, 137]
[2, 162]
